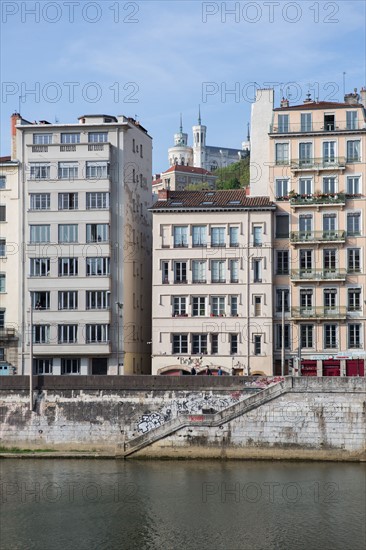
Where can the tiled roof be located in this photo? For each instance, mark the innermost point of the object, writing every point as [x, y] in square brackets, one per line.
[230, 199]
[189, 169]
[5, 159]
[318, 105]
[155, 182]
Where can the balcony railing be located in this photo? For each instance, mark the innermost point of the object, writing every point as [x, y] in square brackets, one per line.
[321, 127]
[7, 332]
[318, 199]
[318, 164]
[338, 312]
[318, 275]
[317, 236]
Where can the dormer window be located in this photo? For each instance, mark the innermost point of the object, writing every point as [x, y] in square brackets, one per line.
[329, 123]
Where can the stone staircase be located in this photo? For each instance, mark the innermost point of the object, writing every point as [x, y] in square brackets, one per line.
[210, 420]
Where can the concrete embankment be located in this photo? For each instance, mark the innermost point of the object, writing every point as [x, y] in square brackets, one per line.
[185, 417]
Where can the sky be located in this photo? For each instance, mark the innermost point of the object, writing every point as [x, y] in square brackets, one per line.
[156, 59]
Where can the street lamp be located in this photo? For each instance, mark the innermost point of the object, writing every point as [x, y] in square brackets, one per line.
[119, 315]
[283, 334]
[31, 355]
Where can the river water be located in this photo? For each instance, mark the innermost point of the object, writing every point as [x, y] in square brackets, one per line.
[55, 504]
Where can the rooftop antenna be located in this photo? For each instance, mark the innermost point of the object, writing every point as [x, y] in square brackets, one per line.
[181, 124]
[344, 83]
[199, 115]
[19, 102]
[248, 134]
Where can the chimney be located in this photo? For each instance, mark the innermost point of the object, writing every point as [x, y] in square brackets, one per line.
[163, 194]
[285, 102]
[363, 96]
[14, 119]
[353, 98]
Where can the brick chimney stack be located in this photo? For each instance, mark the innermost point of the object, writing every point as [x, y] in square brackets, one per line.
[14, 119]
[363, 96]
[163, 194]
[285, 102]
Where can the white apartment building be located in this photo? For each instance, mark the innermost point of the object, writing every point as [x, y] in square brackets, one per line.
[86, 259]
[9, 265]
[212, 282]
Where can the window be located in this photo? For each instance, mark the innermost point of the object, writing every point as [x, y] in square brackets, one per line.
[354, 260]
[217, 236]
[257, 236]
[70, 366]
[42, 366]
[39, 171]
[354, 224]
[2, 213]
[257, 344]
[97, 266]
[68, 233]
[180, 343]
[329, 122]
[39, 233]
[42, 139]
[329, 224]
[330, 336]
[283, 125]
[282, 226]
[180, 236]
[281, 188]
[329, 148]
[41, 334]
[97, 233]
[165, 272]
[2, 282]
[179, 305]
[98, 137]
[67, 267]
[198, 271]
[214, 343]
[281, 153]
[68, 201]
[40, 300]
[2, 182]
[286, 336]
[2, 248]
[353, 185]
[39, 267]
[97, 333]
[305, 186]
[306, 336]
[305, 154]
[351, 120]
[217, 306]
[97, 201]
[67, 334]
[306, 125]
[97, 170]
[218, 271]
[234, 341]
[199, 343]
[234, 306]
[198, 306]
[40, 201]
[257, 270]
[234, 271]
[257, 306]
[330, 259]
[180, 272]
[68, 171]
[329, 185]
[306, 261]
[234, 236]
[353, 151]
[2, 325]
[71, 137]
[68, 299]
[354, 335]
[330, 299]
[306, 301]
[305, 226]
[199, 235]
[282, 296]
[97, 299]
[354, 299]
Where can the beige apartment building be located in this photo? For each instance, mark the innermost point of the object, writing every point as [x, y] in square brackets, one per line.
[212, 282]
[10, 250]
[310, 160]
[84, 290]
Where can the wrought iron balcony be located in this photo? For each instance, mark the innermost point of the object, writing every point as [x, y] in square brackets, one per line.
[321, 312]
[297, 237]
[318, 275]
[317, 164]
[7, 333]
[318, 199]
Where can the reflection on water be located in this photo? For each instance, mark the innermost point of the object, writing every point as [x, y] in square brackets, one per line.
[107, 504]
